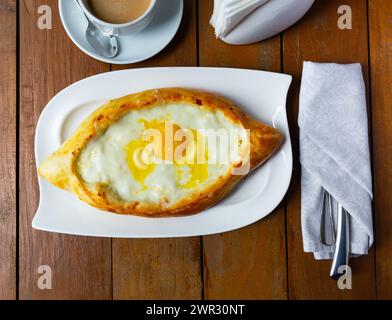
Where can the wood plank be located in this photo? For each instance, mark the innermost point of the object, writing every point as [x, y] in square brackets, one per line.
[380, 27]
[8, 150]
[81, 266]
[249, 263]
[161, 268]
[317, 38]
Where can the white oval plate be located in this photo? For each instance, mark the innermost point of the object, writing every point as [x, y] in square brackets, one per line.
[132, 48]
[261, 94]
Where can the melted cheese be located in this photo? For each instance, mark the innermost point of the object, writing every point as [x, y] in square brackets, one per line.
[139, 170]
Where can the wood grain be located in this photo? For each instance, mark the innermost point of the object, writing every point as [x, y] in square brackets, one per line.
[317, 38]
[249, 263]
[8, 149]
[380, 27]
[162, 268]
[81, 266]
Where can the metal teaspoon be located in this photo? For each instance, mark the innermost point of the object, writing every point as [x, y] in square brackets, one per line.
[104, 44]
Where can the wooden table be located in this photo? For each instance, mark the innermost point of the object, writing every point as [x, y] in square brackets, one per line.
[262, 261]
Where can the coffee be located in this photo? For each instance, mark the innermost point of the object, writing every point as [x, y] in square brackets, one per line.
[118, 11]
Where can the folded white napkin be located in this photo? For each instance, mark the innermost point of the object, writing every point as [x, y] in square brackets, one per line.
[334, 153]
[228, 13]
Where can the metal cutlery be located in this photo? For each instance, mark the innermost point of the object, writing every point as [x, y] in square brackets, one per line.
[341, 238]
[104, 44]
[327, 220]
[341, 255]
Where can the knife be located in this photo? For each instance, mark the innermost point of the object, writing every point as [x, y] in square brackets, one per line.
[341, 254]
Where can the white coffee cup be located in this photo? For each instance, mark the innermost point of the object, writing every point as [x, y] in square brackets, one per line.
[118, 29]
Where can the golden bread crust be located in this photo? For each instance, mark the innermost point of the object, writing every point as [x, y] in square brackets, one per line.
[60, 167]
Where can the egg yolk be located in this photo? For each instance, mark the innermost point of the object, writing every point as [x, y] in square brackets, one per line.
[196, 166]
[137, 164]
[190, 166]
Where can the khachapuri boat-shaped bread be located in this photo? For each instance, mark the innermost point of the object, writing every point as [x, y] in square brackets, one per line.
[161, 152]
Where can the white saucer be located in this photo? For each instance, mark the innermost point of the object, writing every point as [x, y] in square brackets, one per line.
[133, 48]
